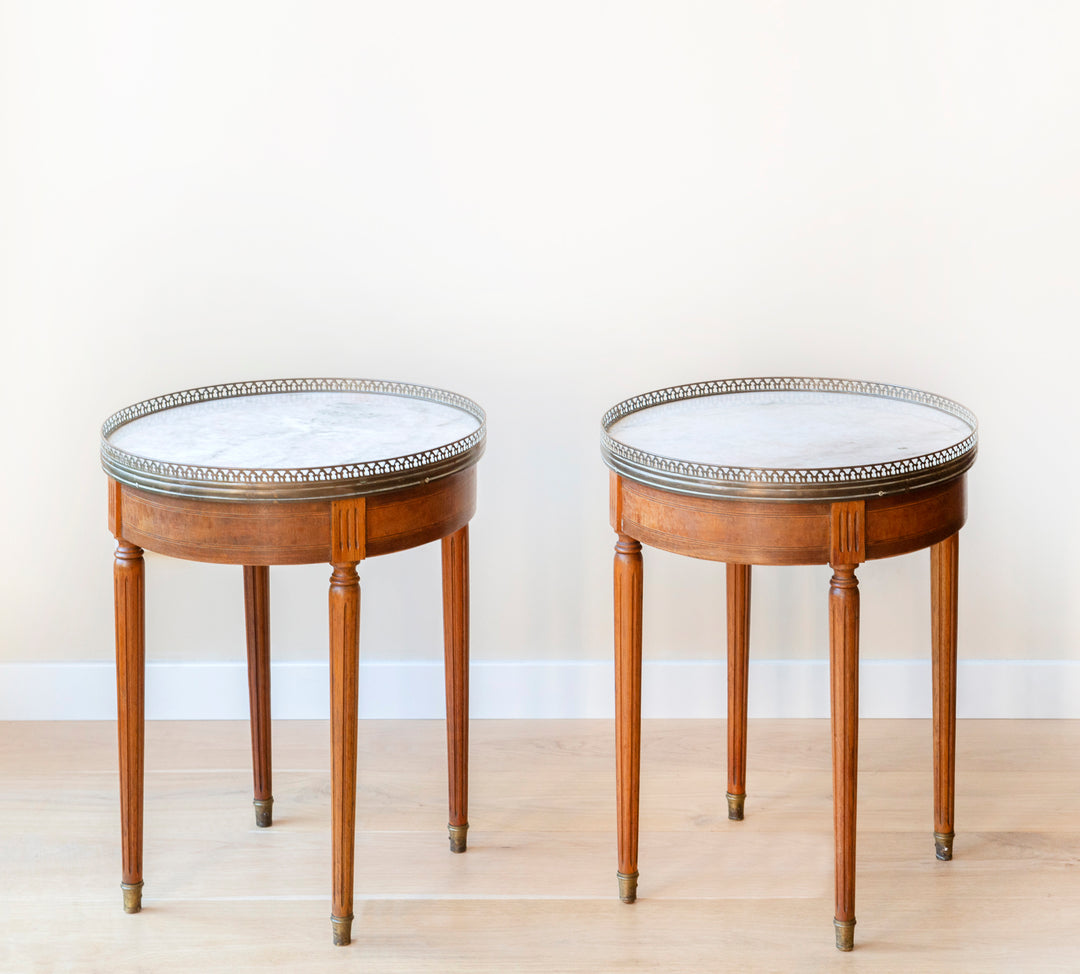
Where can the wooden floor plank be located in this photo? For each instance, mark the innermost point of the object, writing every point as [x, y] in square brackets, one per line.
[537, 890]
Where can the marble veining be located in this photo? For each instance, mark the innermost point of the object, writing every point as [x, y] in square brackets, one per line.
[792, 430]
[294, 430]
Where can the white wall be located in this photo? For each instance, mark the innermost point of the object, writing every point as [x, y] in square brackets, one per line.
[547, 207]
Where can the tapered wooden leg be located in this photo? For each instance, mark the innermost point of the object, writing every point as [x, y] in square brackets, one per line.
[738, 649]
[129, 600]
[944, 563]
[257, 613]
[344, 691]
[844, 671]
[628, 592]
[455, 575]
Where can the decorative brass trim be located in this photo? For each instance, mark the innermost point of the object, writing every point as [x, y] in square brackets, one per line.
[301, 483]
[132, 897]
[458, 836]
[782, 484]
[735, 805]
[845, 934]
[342, 927]
[627, 887]
[943, 843]
[264, 812]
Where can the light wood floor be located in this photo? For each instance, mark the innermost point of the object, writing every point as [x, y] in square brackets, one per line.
[537, 889]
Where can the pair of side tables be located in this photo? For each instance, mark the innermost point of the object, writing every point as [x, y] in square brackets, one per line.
[764, 471]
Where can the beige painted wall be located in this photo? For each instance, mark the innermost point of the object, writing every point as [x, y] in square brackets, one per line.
[547, 207]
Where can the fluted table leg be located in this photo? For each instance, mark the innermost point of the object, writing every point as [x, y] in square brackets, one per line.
[628, 594]
[344, 695]
[844, 672]
[455, 575]
[130, 600]
[257, 616]
[738, 647]
[944, 568]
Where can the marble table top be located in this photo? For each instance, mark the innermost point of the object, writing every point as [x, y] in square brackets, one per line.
[292, 439]
[789, 438]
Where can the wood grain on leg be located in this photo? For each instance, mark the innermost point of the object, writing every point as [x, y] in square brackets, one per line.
[738, 648]
[344, 694]
[129, 600]
[628, 595]
[257, 615]
[944, 565]
[455, 576]
[847, 549]
[844, 681]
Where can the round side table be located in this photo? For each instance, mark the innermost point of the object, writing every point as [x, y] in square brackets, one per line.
[290, 472]
[788, 471]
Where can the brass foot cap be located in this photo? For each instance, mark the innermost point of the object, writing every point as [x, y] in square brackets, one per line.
[264, 812]
[627, 887]
[735, 805]
[943, 845]
[845, 934]
[132, 897]
[342, 927]
[457, 836]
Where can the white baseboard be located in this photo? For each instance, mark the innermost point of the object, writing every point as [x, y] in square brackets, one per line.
[1017, 689]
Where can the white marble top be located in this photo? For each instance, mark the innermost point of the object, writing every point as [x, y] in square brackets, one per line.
[788, 438]
[789, 430]
[292, 430]
[293, 439]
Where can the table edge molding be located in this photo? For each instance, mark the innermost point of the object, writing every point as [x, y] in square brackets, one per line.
[851, 482]
[298, 483]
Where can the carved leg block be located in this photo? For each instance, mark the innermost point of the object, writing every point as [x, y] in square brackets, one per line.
[628, 601]
[455, 575]
[738, 646]
[257, 615]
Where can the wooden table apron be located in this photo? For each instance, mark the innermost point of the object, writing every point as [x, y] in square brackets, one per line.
[746, 532]
[257, 534]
